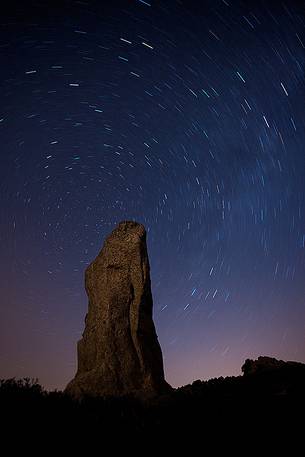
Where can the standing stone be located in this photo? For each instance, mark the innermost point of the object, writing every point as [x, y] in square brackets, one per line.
[119, 352]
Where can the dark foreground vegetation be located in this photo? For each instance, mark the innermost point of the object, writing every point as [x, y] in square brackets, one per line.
[268, 394]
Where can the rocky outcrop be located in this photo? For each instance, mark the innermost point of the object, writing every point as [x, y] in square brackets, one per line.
[119, 352]
[266, 364]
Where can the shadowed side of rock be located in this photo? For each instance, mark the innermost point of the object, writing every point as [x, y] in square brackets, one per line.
[119, 352]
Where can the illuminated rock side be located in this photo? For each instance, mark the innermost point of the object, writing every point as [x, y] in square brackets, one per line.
[119, 352]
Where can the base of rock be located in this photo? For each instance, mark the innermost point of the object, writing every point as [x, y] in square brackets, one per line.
[78, 388]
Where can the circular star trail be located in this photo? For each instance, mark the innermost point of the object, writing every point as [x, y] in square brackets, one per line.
[185, 116]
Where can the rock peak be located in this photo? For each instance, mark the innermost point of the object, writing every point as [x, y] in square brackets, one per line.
[119, 352]
[129, 225]
[129, 231]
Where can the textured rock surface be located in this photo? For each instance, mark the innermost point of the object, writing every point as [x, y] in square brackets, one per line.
[119, 352]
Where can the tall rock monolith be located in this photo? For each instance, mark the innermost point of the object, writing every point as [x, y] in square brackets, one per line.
[119, 352]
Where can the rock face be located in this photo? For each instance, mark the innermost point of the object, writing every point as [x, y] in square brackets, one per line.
[119, 352]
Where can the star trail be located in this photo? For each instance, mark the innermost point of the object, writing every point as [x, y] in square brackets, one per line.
[185, 116]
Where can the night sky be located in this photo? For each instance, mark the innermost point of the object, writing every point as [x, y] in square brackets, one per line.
[188, 117]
